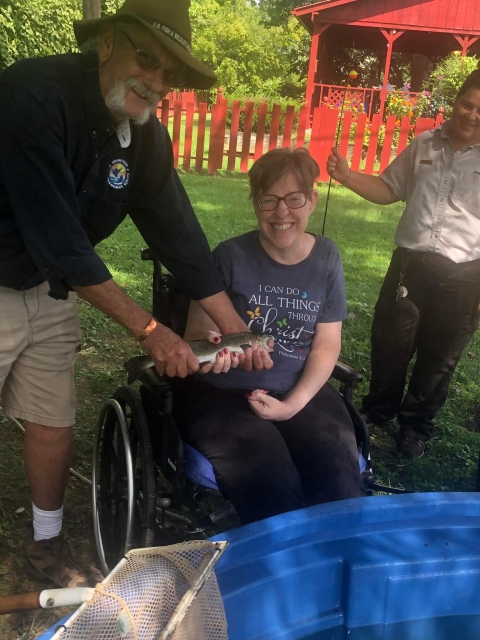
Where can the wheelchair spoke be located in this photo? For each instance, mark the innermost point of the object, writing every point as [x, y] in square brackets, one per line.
[112, 491]
[119, 526]
[111, 451]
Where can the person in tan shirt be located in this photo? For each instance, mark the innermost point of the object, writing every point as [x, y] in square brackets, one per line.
[429, 301]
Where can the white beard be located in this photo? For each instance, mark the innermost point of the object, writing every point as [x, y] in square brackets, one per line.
[115, 101]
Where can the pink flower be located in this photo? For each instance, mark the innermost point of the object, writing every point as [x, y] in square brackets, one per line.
[426, 93]
[441, 109]
[440, 77]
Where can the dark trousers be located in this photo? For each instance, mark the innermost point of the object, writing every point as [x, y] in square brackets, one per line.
[266, 468]
[436, 320]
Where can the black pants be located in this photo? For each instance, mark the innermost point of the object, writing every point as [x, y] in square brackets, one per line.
[266, 468]
[436, 320]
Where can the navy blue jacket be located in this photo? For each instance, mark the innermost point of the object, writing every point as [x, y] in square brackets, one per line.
[66, 184]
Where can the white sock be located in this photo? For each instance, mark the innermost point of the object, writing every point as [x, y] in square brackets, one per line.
[46, 524]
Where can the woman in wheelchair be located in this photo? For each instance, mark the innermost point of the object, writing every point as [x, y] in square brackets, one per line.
[278, 439]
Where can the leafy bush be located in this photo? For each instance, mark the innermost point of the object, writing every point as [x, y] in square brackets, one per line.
[402, 103]
[110, 6]
[446, 80]
[248, 56]
[30, 28]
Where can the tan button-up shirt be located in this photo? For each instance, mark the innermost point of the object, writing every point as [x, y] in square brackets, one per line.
[441, 189]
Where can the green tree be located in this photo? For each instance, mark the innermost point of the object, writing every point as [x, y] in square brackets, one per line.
[30, 28]
[278, 11]
[110, 6]
[247, 55]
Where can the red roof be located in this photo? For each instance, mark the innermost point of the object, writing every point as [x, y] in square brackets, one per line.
[460, 17]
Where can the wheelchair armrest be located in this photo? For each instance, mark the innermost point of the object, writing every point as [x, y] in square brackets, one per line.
[345, 374]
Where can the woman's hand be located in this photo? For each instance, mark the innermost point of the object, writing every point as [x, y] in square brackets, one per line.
[256, 358]
[270, 408]
[224, 361]
[337, 167]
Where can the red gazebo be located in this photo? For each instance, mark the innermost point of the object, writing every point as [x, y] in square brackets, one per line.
[428, 27]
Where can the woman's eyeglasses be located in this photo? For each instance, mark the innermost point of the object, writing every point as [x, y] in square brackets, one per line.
[293, 200]
[150, 63]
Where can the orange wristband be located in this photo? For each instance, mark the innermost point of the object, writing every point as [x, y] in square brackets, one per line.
[152, 325]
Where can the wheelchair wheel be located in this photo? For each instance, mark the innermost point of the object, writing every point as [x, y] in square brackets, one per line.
[123, 479]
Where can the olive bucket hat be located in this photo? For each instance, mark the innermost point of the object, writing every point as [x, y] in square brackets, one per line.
[169, 22]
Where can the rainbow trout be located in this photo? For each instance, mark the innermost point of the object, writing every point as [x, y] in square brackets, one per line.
[204, 350]
[207, 351]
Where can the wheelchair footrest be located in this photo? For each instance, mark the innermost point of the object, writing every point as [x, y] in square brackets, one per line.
[217, 515]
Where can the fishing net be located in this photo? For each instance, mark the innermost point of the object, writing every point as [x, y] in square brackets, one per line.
[160, 593]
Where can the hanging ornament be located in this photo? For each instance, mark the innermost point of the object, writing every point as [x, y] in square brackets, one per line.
[353, 74]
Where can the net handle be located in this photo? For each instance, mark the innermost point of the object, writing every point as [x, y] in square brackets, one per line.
[199, 580]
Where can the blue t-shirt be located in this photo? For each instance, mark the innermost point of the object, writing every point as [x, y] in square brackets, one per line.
[285, 300]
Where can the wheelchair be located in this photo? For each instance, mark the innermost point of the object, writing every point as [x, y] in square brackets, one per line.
[149, 485]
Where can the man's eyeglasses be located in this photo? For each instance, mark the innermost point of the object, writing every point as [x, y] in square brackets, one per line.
[150, 63]
[293, 200]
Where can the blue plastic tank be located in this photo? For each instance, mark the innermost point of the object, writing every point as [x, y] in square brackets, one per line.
[382, 568]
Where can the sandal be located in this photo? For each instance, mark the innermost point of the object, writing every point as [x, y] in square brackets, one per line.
[53, 560]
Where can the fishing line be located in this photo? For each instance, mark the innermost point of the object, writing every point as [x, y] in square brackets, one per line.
[336, 145]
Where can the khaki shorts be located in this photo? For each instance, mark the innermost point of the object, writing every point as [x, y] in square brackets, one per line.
[39, 338]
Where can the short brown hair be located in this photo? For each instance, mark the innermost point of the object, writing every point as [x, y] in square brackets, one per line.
[472, 82]
[277, 163]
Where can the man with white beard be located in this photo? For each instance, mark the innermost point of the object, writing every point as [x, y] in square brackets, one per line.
[81, 148]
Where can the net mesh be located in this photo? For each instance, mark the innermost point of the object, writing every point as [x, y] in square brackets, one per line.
[145, 596]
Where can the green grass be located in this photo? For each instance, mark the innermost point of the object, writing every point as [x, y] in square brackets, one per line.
[364, 234]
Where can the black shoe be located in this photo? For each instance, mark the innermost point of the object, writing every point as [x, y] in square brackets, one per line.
[412, 447]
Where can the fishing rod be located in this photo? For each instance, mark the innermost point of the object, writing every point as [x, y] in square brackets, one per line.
[345, 86]
[336, 145]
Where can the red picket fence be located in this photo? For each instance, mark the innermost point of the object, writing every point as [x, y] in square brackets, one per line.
[185, 97]
[233, 136]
